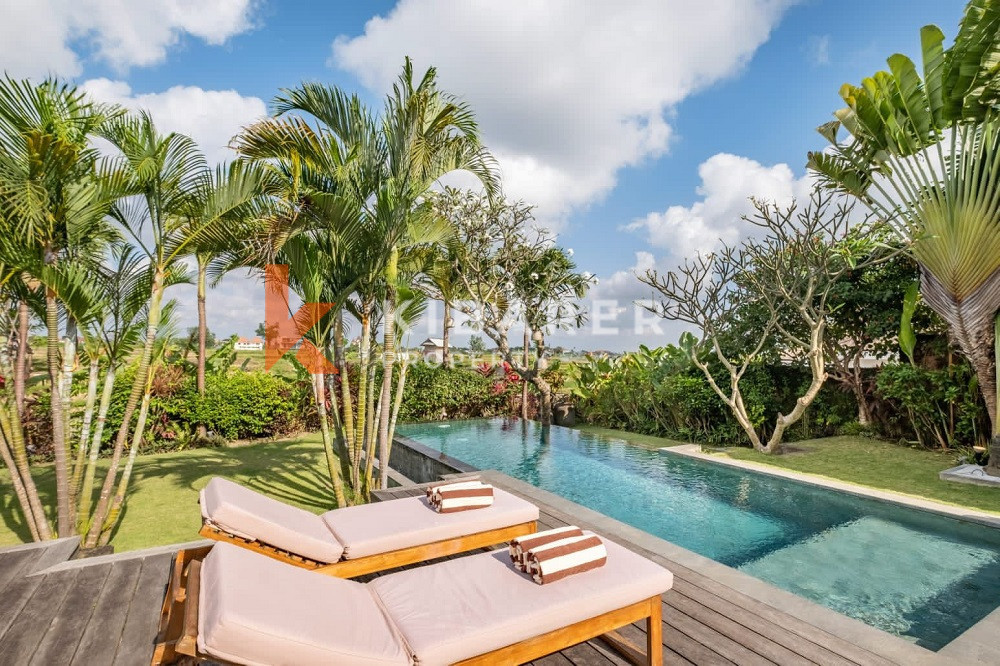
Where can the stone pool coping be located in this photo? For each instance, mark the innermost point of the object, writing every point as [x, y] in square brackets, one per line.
[910, 501]
[979, 644]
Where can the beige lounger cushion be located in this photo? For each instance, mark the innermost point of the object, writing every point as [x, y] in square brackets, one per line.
[381, 527]
[256, 610]
[243, 512]
[472, 605]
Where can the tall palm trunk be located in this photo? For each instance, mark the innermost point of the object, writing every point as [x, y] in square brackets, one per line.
[64, 523]
[119, 498]
[88, 416]
[138, 385]
[13, 432]
[66, 384]
[524, 381]
[445, 335]
[202, 335]
[389, 360]
[397, 403]
[369, 429]
[21, 369]
[347, 422]
[19, 490]
[971, 323]
[85, 496]
[333, 465]
[362, 424]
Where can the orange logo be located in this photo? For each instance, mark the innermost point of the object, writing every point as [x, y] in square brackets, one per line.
[282, 332]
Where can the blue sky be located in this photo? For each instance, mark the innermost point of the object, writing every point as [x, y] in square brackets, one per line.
[639, 128]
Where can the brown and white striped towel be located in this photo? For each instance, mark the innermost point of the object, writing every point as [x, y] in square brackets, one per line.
[465, 481]
[559, 559]
[520, 546]
[463, 496]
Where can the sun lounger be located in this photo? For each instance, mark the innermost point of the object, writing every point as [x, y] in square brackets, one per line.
[238, 607]
[357, 540]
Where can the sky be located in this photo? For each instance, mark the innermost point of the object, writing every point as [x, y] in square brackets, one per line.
[638, 128]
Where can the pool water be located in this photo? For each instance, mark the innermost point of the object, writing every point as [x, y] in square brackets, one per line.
[912, 573]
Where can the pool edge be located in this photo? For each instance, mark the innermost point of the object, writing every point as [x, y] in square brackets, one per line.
[858, 490]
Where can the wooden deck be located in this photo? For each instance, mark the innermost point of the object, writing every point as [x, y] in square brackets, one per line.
[105, 610]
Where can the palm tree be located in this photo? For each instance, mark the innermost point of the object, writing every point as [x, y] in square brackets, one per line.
[53, 195]
[923, 154]
[164, 175]
[226, 249]
[428, 133]
[112, 335]
[443, 282]
[369, 174]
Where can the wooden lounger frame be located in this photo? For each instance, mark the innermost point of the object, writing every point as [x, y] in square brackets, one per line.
[178, 635]
[379, 561]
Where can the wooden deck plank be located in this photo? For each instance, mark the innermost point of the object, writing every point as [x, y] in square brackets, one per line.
[100, 639]
[718, 642]
[57, 552]
[811, 652]
[704, 616]
[15, 596]
[66, 629]
[139, 633]
[13, 566]
[796, 626]
[22, 638]
[585, 654]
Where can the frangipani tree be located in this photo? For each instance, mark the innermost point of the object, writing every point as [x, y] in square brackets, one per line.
[923, 152]
[513, 273]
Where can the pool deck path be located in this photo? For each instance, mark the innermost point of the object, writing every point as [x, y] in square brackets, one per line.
[104, 610]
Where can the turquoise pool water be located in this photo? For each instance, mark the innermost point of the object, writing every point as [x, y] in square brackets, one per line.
[915, 574]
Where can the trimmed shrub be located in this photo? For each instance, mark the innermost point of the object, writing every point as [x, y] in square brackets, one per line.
[434, 393]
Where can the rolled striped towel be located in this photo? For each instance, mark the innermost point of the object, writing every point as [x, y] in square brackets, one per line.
[433, 492]
[520, 546]
[559, 559]
[463, 496]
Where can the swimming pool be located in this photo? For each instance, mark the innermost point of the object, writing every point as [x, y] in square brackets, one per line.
[912, 573]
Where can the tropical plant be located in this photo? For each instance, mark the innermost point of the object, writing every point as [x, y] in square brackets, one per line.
[53, 198]
[354, 178]
[791, 271]
[922, 153]
[513, 273]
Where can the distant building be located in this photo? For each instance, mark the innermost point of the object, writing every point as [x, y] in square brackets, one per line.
[251, 344]
[433, 350]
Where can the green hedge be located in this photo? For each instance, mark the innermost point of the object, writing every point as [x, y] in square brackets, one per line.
[435, 393]
[237, 405]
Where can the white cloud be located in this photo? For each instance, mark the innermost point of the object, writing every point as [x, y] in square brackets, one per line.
[567, 93]
[819, 49]
[210, 117]
[43, 36]
[727, 183]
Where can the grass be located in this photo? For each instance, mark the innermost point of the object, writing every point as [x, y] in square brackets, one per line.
[162, 505]
[878, 464]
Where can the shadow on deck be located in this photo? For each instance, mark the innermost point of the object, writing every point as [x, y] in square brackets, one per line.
[105, 610]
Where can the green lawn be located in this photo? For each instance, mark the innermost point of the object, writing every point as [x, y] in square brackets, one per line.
[162, 506]
[882, 465]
